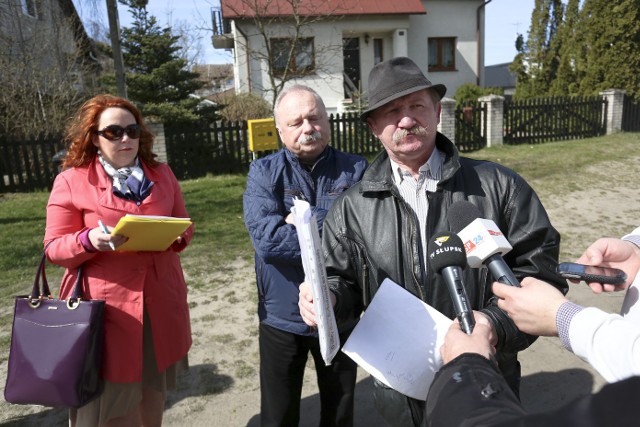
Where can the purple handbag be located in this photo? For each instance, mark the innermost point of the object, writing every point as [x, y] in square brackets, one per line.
[56, 347]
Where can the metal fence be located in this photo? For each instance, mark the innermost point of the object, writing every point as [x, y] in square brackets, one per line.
[349, 134]
[207, 148]
[532, 121]
[471, 125]
[28, 165]
[630, 115]
[222, 147]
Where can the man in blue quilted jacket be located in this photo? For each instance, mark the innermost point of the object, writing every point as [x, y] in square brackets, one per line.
[306, 168]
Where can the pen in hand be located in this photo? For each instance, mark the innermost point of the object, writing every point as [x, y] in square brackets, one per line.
[106, 231]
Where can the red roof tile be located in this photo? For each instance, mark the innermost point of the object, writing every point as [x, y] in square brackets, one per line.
[232, 9]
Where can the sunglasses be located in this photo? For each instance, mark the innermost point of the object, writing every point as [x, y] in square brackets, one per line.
[115, 132]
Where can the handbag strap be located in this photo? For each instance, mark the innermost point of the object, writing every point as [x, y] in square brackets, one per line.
[77, 289]
[41, 278]
[36, 293]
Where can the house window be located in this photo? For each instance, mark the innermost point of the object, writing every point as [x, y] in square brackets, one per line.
[29, 8]
[442, 54]
[302, 60]
[377, 51]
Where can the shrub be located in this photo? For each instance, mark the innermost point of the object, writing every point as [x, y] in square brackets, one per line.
[471, 92]
[245, 106]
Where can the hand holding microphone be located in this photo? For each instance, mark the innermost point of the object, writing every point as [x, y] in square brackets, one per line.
[483, 241]
[447, 256]
[457, 342]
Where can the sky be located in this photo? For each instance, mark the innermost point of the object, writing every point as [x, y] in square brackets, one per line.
[504, 19]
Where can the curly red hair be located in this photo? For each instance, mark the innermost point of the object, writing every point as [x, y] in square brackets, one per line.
[84, 124]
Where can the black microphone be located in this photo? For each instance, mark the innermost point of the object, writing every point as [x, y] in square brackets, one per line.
[447, 257]
[483, 241]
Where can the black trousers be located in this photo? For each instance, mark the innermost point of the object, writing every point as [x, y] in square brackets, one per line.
[283, 357]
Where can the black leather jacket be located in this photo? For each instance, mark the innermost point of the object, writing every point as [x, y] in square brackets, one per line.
[371, 234]
[468, 391]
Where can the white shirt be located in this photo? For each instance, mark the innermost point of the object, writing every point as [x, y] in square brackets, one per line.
[610, 342]
[414, 192]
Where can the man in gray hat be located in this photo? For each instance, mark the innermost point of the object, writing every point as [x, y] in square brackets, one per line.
[379, 228]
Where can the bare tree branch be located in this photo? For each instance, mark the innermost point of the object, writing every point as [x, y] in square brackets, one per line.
[43, 71]
[259, 22]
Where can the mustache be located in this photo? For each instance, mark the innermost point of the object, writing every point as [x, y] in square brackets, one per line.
[400, 134]
[303, 139]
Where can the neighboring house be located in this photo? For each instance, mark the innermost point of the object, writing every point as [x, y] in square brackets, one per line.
[340, 41]
[218, 78]
[498, 75]
[46, 39]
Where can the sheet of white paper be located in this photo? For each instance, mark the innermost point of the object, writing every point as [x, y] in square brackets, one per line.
[398, 340]
[316, 276]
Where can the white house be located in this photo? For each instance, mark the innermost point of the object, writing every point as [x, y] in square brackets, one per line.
[337, 42]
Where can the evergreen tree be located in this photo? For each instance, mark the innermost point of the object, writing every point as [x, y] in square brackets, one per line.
[595, 46]
[554, 45]
[519, 67]
[570, 51]
[158, 79]
[540, 55]
[612, 39]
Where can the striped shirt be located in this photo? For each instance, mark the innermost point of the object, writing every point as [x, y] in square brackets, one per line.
[414, 192]
[568, 309]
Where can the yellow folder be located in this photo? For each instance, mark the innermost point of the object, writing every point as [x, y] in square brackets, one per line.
[149, 232]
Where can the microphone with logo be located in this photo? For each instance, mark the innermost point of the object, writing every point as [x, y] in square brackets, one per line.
[483, 241]
[447, 257]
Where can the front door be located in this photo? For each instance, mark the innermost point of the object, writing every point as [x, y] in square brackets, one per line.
[351, 65]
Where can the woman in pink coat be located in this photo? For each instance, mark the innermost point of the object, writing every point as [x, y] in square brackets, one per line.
[110, 171]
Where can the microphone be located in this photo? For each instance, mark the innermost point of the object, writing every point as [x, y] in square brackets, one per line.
[483, 241]
[447, 257]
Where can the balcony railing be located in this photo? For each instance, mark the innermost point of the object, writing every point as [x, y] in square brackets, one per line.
[222, 37]
[221, 26]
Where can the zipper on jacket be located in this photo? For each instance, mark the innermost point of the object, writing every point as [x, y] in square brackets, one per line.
[428, 271]
[366, 286]
[409, 213]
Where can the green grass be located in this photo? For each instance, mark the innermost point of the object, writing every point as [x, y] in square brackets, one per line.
[557, 167]
[215, 205]
[22, 217]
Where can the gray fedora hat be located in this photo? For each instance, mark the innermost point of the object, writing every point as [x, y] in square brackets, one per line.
[394, 78]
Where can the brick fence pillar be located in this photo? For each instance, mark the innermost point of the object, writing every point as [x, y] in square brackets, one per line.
[159, 143]
[494, 132]
[615, 109]
[447, 125]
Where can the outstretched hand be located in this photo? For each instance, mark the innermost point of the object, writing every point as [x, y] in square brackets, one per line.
[616, 253]
[532, 307]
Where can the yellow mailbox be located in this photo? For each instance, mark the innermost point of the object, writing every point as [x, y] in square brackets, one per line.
[262, 135]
